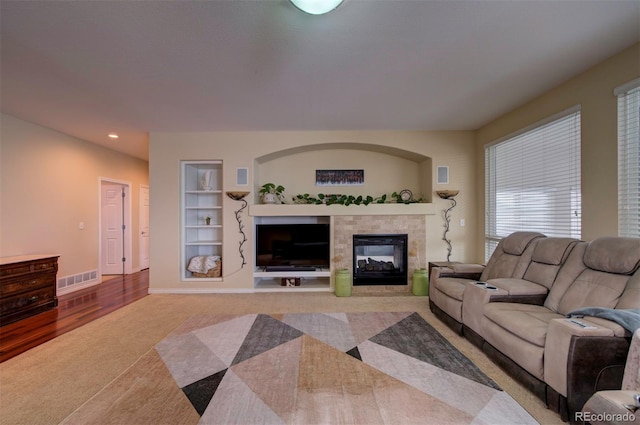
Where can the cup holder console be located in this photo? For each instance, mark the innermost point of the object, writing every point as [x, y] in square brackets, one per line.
[486, 286]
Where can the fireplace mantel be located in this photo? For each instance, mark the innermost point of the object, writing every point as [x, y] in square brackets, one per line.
[263, 210]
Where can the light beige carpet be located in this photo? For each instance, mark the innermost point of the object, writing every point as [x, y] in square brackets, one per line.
[49, 383]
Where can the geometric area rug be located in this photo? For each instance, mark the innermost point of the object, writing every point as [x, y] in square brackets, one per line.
[328, 368]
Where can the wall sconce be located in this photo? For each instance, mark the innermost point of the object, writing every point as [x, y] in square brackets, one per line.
[448, 194]
[239, 196]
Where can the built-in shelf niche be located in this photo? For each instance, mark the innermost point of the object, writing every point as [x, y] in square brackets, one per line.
[201, 193]
[387, 170]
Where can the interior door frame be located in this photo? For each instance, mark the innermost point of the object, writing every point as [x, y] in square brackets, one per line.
[143, 265]
[127, 206]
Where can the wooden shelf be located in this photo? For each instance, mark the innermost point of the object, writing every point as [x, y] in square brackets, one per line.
[288, 210]
[312, 281]
[307, 285]
[320, 273]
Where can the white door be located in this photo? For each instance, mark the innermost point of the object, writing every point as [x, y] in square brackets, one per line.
[112, 232]
[144, 227]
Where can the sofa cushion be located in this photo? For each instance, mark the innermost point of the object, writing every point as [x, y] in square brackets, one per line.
[613, 255]
[529, 322]
[519, 332]
[512, 256]
[547, 258]
[593, 289]
[452, 287]
[631, 296]
[552, 251]
[570, 270]
[517, 242]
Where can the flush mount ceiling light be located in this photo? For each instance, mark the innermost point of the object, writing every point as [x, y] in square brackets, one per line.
[113, 135]
[316, 7]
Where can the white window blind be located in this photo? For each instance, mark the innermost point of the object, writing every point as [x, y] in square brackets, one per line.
[629, 159]
[532, 181]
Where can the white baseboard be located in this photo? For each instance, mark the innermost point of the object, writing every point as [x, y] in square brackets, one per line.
[184, 291]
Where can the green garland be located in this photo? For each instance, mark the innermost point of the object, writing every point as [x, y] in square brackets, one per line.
[349, 199]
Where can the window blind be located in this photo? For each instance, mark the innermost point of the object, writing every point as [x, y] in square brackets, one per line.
[532, 182]
[629, 159]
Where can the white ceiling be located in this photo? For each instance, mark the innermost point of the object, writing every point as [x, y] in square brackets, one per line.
[87, 68]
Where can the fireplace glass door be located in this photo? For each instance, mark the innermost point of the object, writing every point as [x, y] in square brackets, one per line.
[380, 259]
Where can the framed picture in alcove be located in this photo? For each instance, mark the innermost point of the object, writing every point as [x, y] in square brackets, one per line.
[339, 177]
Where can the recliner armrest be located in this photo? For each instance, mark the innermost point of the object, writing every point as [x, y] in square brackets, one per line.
[575, 357]
[467, 268]
[461, 271]
[593, 368]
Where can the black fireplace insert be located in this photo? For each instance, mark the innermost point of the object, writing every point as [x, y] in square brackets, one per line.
[380, 259]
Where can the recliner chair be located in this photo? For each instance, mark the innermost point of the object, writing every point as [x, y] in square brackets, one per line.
[618, 406]
[509, 260]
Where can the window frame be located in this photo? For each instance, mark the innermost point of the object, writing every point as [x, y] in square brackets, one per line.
[563, 225]
[628, 116]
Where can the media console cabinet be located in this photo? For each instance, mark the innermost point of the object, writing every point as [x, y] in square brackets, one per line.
[27, 286]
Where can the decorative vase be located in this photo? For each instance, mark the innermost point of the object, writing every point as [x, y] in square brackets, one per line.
[420, 282]
[206, 181]
[207, 220]
[270, 198]
[343, 283]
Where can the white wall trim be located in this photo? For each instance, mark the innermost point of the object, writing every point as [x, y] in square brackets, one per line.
[622, 89]
[536, 124]
[191, 291]
[187, 291]
[140, 219]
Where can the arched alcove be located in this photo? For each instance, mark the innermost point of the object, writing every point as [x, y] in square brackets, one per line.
[386, 169]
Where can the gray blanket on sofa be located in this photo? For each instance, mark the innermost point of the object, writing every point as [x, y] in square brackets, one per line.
[628, 319]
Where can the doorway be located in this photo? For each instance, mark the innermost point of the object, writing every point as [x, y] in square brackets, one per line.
[115, 227]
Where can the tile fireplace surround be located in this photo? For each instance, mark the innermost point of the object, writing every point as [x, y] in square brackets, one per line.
[345, 226]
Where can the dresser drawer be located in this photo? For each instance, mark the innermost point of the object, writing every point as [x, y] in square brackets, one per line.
[9, 271]
[27, 301]
[15, 269]
[11, 287]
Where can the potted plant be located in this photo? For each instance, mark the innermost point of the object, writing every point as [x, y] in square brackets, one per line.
[420, 275]
[272, 194]
[342, 278]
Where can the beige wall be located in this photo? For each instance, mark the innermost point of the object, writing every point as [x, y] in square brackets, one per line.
[49, 181]
[593, 91]
[392, 161]
[49, 184]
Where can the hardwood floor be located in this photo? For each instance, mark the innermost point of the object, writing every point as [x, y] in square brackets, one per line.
[74, 310]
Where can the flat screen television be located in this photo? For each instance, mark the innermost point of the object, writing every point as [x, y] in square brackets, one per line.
[292, 246]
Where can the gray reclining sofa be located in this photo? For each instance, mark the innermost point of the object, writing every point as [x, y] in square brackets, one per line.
[517, 310]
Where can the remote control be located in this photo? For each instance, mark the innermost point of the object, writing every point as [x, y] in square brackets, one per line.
[580, 323]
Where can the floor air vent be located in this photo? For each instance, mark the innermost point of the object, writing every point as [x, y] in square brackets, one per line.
[77, 279]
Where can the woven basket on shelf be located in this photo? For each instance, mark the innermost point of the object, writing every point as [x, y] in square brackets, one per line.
[214, 272]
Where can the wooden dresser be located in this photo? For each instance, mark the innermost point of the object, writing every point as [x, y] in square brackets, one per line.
[27, 286]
